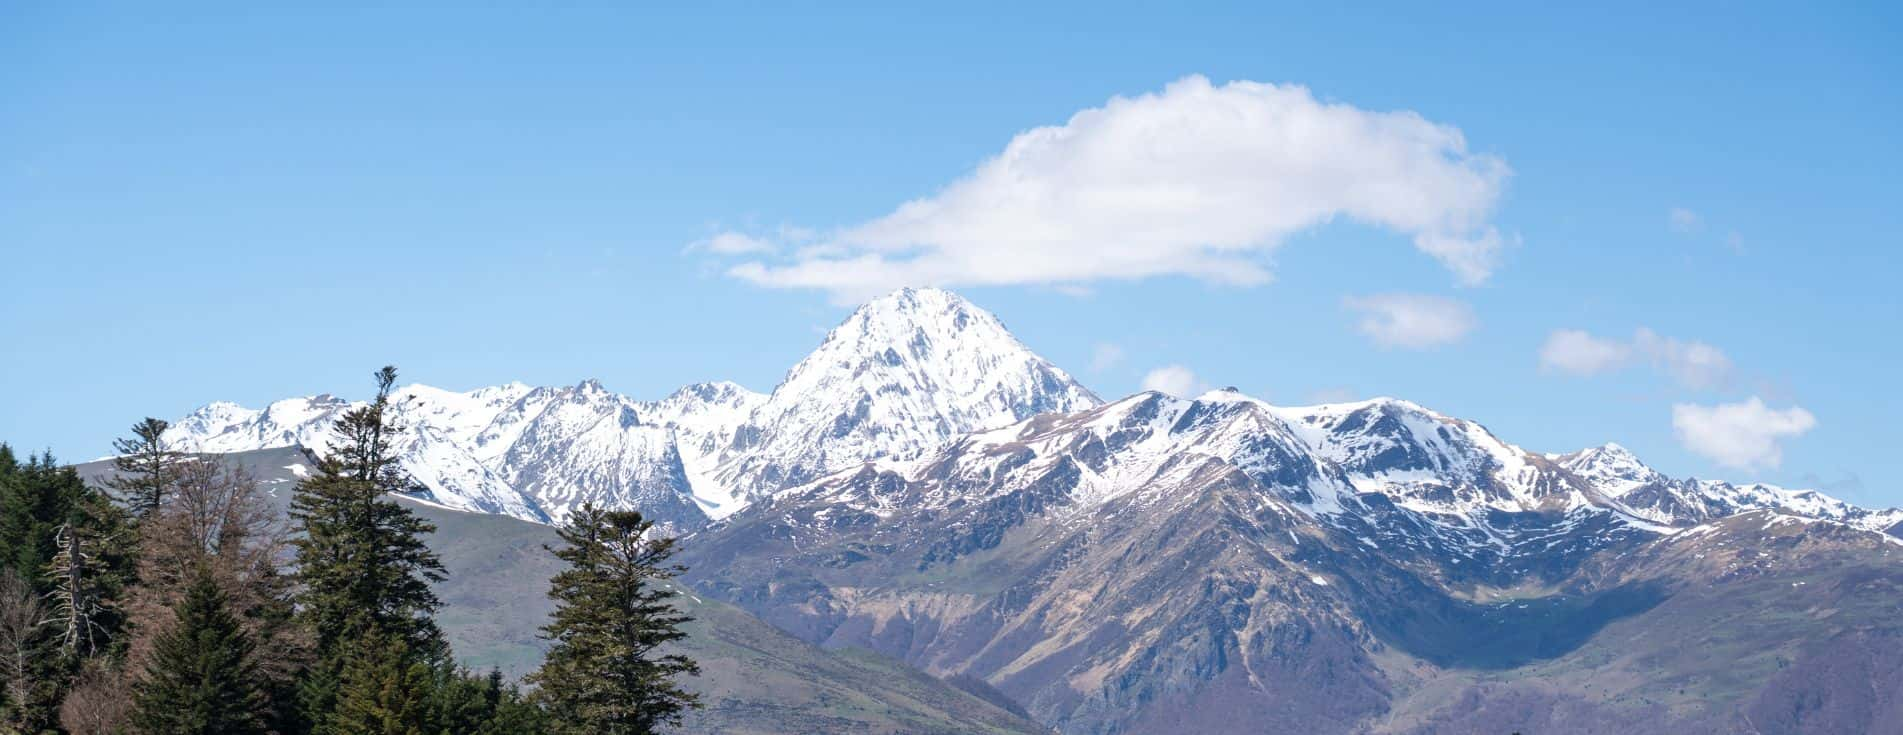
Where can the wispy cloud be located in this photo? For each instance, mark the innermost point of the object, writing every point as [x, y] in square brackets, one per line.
[1746, 435]
[1683, 220]
[1690, 363]
[1687, 222]
[1198, 180]
[1411, 321]
[1104, 356]
[1175, 380]
[1576, 352]
[735, 243]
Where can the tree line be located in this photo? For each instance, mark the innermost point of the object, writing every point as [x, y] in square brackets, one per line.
[172, 600]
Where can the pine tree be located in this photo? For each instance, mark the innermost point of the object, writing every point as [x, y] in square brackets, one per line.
[506, 711]
[50, 518]
[385, 689]
[200, 679]
[605, 672]
[216, 519]
[363, 567]
[147, 468]
[36, 498]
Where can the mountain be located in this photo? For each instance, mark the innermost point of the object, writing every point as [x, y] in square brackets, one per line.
[900, 375]
[925, 487]
[1647, 493]
[1160, 564]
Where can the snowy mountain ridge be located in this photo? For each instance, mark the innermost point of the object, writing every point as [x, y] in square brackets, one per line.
[922, 384]
[901, 374]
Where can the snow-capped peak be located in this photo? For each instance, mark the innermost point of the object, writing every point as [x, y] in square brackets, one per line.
[1611, 468]
[901, 374]
[901, 379]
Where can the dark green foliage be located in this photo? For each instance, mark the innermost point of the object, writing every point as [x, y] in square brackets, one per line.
[314, 699]
[362, 562]
[200, 679]
[147, 468]
[605, 673]
[485, 705]
[35, 499]
[63, 545]
[384, 689]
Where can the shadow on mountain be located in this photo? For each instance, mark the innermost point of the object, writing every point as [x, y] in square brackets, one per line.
[1455, 634]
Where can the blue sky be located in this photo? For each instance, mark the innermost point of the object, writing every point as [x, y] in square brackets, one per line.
[229, 203]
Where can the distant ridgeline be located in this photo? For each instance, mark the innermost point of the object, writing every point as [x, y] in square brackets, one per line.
[925, 490]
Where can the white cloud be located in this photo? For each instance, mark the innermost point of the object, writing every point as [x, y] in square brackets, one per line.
[1105, 356]
[1684, 220]
[1175, 380]
[1579, 353]
[1691, 363]
[1744, 435]
[735, 243]
[1197, 180]
[1411, 321]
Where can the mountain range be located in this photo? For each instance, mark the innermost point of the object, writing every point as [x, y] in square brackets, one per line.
[926, 487]
[901, 375]
[907, 373]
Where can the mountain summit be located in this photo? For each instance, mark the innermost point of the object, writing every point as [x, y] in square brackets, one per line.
[900, 375]
[913, 371]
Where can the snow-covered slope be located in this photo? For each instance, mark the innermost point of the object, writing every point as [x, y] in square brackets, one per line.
[531, 453]
[1414, 483]
[1431, 462]
[923, 384]
[1648, 493]
[1142, 446]
[902, 374]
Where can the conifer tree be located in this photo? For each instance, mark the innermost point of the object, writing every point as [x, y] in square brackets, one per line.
[364, 570]
[605, 672]
[36, 498]
[217, 520]
[200, 679]
[50, 519]
[384, 690]
[507, 711]
[147, 468]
